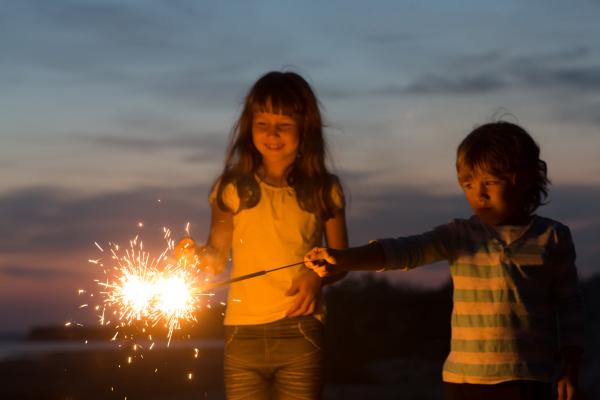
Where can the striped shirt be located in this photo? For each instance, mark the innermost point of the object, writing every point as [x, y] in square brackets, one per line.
[514, 303]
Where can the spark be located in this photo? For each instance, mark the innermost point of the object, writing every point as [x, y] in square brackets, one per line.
[144, 291]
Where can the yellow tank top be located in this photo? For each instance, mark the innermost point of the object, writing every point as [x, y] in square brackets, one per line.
[274, 233]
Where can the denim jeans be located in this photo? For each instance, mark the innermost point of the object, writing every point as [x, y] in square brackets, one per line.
[513, 390]
[280, 360]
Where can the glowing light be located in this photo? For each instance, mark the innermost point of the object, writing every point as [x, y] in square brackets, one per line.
[144, 291]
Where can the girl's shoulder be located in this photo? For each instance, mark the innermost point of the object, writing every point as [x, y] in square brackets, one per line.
[336, 191]
[225, 193]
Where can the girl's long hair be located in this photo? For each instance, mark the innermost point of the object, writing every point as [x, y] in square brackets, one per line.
[289, 94]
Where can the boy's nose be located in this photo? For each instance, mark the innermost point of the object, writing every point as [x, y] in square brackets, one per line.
[482, 192]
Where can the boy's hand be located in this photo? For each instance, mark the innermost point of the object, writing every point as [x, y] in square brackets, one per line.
[566, 384]
[566, 387]
[306, 287]
[322, 260]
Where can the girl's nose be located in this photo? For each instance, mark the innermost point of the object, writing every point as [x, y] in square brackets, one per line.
[273, 130]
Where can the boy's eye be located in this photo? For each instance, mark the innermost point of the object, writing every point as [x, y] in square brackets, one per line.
[467, 186]
[491, 183]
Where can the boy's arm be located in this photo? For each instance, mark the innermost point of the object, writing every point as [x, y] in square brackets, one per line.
[369, 257]
[569, 307]
[400, 253]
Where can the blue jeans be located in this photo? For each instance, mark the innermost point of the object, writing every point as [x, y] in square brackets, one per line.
[513, 390]
[280, 360]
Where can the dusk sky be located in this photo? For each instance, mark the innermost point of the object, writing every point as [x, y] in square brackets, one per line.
[116, 112]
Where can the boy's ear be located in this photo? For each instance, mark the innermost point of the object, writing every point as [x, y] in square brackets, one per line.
[522, 182]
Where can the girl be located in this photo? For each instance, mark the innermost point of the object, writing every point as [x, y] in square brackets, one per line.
[273, 202]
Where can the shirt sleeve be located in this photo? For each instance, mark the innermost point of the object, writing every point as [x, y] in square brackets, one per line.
[230, 196]
[567, 293]
[408, 252]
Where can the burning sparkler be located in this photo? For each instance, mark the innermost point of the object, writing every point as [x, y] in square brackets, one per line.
[139, 289]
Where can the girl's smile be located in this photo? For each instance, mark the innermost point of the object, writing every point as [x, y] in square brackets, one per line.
[276, 138]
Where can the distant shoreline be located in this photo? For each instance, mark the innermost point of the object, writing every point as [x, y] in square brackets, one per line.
[22, 349]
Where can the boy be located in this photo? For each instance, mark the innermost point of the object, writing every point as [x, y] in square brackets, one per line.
[513, 274]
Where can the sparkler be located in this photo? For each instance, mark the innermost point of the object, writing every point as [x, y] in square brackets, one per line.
[250, 276]
[139, 289]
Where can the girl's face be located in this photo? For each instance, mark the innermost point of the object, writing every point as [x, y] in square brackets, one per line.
[495, 200]
[276, 138]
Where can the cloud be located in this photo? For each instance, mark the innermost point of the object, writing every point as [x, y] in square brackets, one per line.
[52, 221]
[48, 223]
[401, 211]
[198, 143]
[493, 71]
[474, 84]
[388, 38]
[35, 273]
[581, 78]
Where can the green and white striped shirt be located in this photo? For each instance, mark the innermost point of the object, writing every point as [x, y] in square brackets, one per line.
[514, 303]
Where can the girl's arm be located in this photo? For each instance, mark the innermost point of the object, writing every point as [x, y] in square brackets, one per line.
[307, 285]
[219, 238]
[336, 237]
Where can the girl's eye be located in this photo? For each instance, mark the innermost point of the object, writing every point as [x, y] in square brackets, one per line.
[491, 183]
[467, 186]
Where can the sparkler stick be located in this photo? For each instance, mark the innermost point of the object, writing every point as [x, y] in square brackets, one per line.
[254, 275]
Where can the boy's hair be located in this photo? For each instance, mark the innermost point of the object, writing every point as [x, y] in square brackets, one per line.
[506, 150]
[289, 94]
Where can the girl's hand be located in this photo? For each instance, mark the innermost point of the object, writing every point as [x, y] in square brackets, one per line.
[209, 260]
[306, 287]
[322, 261]
[185, 251]
[204, 257]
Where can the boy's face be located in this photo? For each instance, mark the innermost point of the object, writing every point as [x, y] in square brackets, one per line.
[495, 200]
